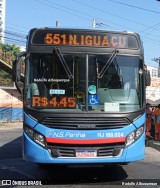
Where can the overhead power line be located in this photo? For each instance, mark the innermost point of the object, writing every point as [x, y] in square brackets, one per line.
[140, 8]
[104, 23]
[9, 23]
[154, 27]
[15, 29]
[106, 12]
[51, 6]
[11, 36]
[83, 13]
[19, 35]
[13, 39]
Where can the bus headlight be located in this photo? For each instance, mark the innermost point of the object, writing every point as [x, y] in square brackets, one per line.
[132, 137]
[35, 136]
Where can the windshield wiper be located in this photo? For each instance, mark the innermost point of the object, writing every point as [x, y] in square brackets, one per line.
[107, 64]
[63, 62]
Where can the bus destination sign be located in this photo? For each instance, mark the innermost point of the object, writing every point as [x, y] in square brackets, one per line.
[77, 38]
[86, 40]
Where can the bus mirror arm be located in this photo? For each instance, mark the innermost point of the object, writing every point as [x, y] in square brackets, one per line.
[20, 87]
[17, 75]
[14, 70]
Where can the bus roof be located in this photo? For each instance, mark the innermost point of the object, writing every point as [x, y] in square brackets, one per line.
[84, 29]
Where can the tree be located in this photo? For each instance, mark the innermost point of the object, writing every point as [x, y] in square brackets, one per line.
[8, 54]
[14, 48]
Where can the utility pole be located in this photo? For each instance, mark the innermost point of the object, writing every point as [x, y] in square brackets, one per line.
[57, 23]
[99, 24]
[94, 23]
[158, 61]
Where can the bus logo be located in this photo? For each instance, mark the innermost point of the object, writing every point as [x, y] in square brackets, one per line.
[86, 126]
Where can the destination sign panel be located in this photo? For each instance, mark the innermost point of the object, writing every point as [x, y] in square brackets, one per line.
[82, 38]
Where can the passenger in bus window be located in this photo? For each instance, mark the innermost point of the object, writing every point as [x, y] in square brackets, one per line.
[115, 82]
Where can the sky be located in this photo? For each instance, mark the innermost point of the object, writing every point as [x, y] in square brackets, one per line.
[141, 16]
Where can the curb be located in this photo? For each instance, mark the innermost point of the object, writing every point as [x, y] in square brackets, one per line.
[153, 144]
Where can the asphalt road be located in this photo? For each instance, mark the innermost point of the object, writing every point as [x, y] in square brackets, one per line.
[13, 167]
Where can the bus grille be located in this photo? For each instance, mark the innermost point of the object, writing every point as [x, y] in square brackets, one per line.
[94, 123]
[108, 150]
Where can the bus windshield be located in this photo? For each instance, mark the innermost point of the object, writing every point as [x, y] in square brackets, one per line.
[80, 82]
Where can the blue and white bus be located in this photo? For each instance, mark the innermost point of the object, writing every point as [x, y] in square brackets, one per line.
[84, 96]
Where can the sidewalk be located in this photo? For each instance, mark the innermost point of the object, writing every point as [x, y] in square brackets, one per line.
[153, 144]
[8, 125]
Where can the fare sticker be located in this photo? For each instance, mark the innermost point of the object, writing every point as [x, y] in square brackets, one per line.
[111, 107]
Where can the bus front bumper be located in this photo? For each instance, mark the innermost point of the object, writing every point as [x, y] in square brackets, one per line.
[35, 153]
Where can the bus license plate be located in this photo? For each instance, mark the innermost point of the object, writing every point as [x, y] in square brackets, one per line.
[86, 153]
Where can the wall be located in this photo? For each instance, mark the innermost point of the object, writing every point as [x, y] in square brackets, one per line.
[10, 105]
[153, 92]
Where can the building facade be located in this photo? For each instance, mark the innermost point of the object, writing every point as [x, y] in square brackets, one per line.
[2, 19]
[153, 91]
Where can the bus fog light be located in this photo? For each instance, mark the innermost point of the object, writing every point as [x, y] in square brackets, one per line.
[39, 139]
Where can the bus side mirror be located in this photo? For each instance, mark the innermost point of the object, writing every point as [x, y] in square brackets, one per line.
[147, 78]
[18, 71]
[16, 76]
